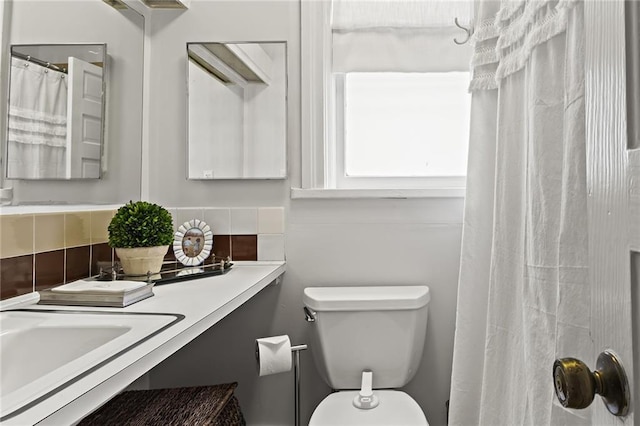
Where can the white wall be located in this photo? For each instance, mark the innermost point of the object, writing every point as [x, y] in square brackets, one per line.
[328, 242]
[50, 22]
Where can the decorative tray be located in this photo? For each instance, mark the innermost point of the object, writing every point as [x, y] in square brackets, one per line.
[172, 271]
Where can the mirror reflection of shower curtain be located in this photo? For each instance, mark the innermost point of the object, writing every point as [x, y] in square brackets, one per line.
[37, 136]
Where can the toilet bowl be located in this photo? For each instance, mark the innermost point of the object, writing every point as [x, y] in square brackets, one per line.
[367, 341]
[396, 409]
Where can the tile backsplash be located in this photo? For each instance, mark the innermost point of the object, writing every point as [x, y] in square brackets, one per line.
[39, 251]
[237, 232]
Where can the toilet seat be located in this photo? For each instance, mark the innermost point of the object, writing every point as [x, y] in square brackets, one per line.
[396, 408]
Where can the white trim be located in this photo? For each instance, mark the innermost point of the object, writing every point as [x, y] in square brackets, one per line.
[5, 70]
[302, 193]
[388, 182]
[339, 109]
[315, 57]
[145, 148]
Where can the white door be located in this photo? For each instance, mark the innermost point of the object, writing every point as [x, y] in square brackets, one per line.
[84, 119]
[613, 176]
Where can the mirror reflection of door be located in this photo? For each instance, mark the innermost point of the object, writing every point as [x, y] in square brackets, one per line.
[237, 110]
[84, 114]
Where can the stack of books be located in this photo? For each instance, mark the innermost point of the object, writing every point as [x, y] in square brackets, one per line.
[97, 293]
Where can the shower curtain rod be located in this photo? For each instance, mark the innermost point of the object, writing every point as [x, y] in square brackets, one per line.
[45, 64]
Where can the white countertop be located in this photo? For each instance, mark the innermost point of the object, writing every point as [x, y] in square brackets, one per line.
[203, 302]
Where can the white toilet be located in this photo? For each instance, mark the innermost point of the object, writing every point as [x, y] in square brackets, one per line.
[367, 341]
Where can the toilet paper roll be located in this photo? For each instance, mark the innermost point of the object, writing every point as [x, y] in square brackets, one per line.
[273, 355]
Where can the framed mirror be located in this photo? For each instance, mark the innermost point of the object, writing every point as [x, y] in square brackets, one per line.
[237, 110]
[56, 111]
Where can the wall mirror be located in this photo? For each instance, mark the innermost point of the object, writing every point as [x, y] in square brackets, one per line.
[56, 111]
[237, 110]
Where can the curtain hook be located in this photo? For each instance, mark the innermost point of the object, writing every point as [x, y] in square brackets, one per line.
[469, 32]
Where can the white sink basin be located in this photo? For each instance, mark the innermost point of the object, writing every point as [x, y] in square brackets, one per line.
[42, 351]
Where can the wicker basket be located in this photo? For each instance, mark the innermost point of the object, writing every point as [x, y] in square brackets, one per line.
[203, 405]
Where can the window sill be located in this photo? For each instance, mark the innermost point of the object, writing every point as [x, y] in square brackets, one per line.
[302, 193]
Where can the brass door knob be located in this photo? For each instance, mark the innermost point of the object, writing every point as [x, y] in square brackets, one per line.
[576, 385]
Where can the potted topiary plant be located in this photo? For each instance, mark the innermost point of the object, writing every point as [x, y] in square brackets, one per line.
[141, 233]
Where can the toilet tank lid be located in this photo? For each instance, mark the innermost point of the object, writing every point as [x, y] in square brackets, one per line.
[366, 298]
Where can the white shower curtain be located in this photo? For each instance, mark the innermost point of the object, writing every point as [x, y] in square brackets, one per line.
[523, 296]
[37, 138]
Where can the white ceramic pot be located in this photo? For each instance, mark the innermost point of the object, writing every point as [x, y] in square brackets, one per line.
[141, 260]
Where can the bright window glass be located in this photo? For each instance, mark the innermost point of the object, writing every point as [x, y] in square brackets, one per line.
[406, 124]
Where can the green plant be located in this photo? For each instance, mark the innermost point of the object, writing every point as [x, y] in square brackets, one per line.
[140, 224]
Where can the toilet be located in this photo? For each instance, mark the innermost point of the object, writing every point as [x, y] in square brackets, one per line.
[366, 342]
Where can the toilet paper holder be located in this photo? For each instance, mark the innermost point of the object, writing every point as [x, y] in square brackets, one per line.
[295, 350]
[295, 353]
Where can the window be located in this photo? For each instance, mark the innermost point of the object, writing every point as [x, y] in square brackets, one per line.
[403, 125]
[385, 104]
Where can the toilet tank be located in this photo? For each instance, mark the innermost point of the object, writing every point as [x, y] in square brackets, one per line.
[380, 328]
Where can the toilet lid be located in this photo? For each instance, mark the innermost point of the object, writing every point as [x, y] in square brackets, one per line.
[395, 408]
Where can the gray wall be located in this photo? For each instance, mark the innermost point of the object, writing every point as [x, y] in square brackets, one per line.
[328, 242]
[53, 22]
